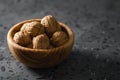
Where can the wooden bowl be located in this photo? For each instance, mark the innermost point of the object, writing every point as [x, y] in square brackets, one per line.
[39, 58]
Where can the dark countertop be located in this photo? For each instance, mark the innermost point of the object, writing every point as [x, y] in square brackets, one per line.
[96, 52]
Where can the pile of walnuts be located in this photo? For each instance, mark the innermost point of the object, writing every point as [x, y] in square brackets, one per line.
[41, 35]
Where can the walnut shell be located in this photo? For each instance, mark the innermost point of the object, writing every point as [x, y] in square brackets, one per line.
[59, 38]
[33, 28]
[41, 41]
[50, 24]
[22, 38]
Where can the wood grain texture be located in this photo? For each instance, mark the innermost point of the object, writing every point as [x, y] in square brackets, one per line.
[39, 58]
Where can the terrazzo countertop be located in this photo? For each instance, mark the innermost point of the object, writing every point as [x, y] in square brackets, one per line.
[96, 51]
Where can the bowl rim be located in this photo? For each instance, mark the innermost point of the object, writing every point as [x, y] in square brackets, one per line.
[10, 38]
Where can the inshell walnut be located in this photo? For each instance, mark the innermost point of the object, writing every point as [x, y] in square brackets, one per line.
[22, 38]
[41, 41]
[33, 28]
[59, 38]
[50, 24]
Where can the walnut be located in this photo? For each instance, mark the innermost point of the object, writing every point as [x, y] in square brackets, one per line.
[33, 28]
[59, 38]
[50, 24]
[41, 41]
[22, 38]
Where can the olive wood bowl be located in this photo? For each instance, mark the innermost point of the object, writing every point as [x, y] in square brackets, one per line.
[39, 58]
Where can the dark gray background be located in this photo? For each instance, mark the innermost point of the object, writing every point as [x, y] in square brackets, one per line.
[96, 51]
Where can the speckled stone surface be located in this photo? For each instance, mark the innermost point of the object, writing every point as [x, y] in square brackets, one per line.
[96, 52]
